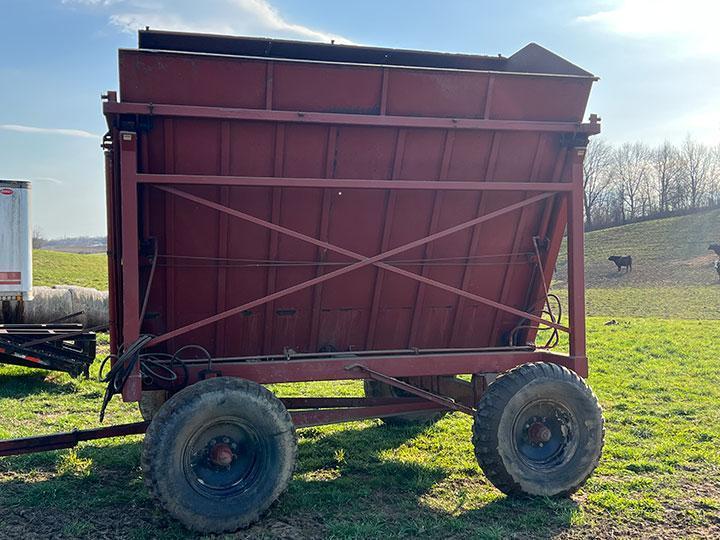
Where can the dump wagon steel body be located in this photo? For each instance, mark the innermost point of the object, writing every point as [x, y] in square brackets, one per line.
[306, 200]
[284, 212]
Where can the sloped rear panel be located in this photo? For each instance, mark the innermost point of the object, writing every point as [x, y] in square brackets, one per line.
[210, 261]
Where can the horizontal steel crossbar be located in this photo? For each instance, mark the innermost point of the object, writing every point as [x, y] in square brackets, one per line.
[351, 183]
[405, 365]
[228, 113]
[344, 402]
[320, 417]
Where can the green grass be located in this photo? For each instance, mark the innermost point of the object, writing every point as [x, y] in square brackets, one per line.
[56, 268]
[680, 302]
[656, 375]
[658, 381]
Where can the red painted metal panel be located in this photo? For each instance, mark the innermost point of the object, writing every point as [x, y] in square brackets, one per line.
[307, 145]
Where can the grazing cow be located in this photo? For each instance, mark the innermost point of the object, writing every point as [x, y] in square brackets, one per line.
[619, 261]
[717, 267]
[715, 248]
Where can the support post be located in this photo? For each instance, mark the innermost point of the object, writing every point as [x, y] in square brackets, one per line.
[576, 262]
[130, 278]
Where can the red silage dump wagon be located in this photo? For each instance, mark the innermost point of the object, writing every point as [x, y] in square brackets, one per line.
[283, 211]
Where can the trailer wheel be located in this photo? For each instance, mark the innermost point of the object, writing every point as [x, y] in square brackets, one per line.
[538, 430]
[219, 453]
[381, 390]
[150, 403]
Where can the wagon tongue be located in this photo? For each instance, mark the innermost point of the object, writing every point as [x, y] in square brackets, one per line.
[69, 439]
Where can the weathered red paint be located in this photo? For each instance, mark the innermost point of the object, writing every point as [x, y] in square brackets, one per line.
[323, 201]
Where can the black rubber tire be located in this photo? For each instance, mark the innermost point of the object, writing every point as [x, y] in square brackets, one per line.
[169, 463]
[381, 390]
[501, 438]
[150, 403]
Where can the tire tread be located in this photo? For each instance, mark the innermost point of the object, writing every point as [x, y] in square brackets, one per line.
[176, 406]
[491, 405]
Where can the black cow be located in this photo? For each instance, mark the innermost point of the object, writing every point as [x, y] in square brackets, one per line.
[625, 261]
[717, 267]
[715, 248]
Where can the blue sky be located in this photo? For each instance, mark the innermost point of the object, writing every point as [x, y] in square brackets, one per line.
[658, 60]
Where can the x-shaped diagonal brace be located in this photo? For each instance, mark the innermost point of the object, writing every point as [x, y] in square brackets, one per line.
[362, 262]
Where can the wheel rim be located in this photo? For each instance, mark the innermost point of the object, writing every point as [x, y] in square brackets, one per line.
[224, 457]
[545, 434]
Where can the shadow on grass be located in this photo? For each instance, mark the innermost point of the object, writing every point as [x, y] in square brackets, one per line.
[344, 483]
[618, 275]
[19, 385]
[345, 487]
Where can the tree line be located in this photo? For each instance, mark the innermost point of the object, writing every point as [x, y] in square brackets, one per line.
[634, 181]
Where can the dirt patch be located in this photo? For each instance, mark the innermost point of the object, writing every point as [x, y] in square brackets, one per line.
[705, 261]
[123, 522]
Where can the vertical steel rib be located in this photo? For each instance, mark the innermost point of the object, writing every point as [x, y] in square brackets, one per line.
[273, 245]
[475, 238]
[170, 206]
[390, 202]
[433, 227]
[223, 237]
[324, 226]
[509, 270]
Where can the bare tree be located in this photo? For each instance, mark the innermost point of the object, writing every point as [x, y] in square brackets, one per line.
[714, 176]
[697, 164]
[666, 165]
[38, 240]
[631, 171]
[596, 177]
[634, 181]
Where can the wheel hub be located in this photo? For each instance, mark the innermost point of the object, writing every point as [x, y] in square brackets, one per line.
[539, 433]
[221, 455]
[544, 432]
[225, 457]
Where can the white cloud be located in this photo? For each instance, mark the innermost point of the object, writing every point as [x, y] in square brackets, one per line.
[268, 16]
[49, 131]
[131, 22]
[240, 17]
[689, 27]
[46, 179]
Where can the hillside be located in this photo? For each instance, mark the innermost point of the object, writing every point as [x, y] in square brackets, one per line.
[673, 275]
[666, 253]
[57, 268]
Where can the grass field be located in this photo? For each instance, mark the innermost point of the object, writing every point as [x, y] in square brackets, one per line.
[656, 373]
[658, 381]
[57, 268]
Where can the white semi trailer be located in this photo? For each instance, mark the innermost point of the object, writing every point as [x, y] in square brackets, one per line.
[15, 241]
[44, 342]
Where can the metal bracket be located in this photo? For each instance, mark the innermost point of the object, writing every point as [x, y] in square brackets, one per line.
[574, 140]
[402, 385]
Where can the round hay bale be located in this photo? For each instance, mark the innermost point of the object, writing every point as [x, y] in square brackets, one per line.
[51, 304]
[93, 302]
[48, 304]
